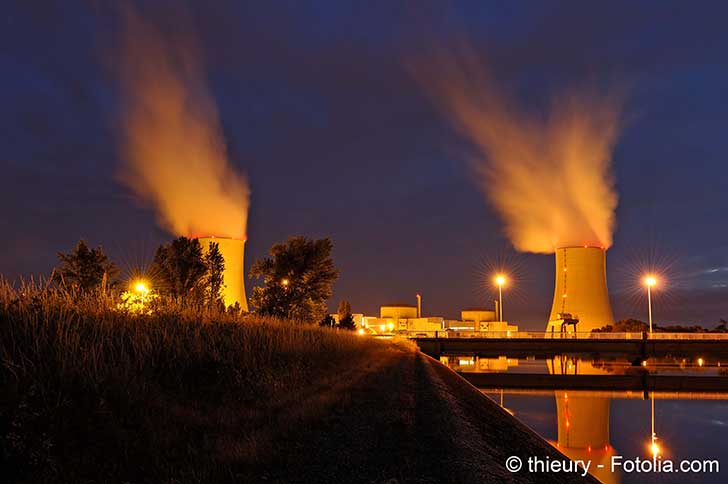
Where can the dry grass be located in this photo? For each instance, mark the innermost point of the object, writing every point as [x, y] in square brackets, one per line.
[93, 394]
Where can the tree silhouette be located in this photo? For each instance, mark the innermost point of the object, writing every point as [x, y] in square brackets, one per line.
[214, 285]
[181, 270]
[297, 279]
[346, 319]
[84, 268]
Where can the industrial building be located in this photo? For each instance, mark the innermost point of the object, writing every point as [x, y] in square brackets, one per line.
[581, 300]
[402, 318]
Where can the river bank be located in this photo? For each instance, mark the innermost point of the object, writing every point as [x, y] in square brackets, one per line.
[92, 394]
[409, 420]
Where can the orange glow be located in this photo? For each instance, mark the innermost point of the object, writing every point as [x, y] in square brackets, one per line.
[172, 145]
[547, 174]
[650, 280]
[141, 287]
[655, 449]
[500, 279]
[285, 282]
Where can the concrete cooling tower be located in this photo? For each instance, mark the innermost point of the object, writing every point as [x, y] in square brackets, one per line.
[233, 251]
[581, 291]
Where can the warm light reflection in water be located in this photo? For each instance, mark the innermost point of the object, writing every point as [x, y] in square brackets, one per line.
[582, 420]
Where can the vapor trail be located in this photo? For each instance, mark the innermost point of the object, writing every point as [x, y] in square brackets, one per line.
[548, 175]
[172, 143]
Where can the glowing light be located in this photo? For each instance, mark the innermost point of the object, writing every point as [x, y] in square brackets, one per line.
[650, 280]
[390, 326]
[361, 331]
[655, 449]
[141, 287]
[700, 362]
[382, 327]
[500, 279]
[644, 362]
[285, 282]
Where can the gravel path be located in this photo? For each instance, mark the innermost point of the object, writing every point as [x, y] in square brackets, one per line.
[407, 420]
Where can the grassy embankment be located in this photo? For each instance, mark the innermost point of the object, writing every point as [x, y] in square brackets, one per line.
[93, 394]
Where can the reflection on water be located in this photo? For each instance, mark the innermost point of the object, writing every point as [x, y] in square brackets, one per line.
[674, 425]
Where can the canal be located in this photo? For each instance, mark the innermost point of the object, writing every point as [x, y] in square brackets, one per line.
[611, 426]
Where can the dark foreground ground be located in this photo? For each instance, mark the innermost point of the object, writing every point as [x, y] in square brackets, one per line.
[408, 419]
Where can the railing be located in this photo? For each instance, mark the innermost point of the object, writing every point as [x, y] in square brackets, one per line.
[560, 336]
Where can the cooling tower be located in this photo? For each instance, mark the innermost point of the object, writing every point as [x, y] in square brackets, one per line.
[581, 290]
[233, 251]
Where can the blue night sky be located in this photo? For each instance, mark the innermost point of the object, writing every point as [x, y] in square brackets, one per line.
[337, 140]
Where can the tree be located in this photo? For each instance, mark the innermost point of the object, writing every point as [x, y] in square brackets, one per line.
[181, 270]
[624, 326]
[84, 268]
[215, 264]
[346, 319]
[297, 279]
[328, 321]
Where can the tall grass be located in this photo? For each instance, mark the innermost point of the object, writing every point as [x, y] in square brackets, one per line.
[90, 393]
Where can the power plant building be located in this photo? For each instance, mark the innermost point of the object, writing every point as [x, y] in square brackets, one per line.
[233, 251]
[581, 300]
[406, 318]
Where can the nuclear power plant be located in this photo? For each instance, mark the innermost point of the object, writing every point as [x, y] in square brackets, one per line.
[581, 300]
[233, 251]
[581, 304]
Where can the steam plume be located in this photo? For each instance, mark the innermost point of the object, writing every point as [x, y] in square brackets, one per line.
[173, 147]
[547, 175]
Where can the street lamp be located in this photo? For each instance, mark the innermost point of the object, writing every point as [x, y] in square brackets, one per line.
[285, 282]
[142, 288]
[650, 281]
[500, 280]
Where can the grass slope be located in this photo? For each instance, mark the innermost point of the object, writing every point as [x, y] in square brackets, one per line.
[90, 394]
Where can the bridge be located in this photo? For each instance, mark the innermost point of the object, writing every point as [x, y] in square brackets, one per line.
[638, 382]
[520, 344]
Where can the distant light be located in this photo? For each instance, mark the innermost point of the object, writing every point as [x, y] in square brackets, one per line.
[644, 362]
[650, 280]
[390, 326]
[655, 449]
[285, 282]
[700, 362]
[141, 287]
[382, 327]
[361, 331]
[500, 279]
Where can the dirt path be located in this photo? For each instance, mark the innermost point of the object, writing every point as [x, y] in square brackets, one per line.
[411, 420]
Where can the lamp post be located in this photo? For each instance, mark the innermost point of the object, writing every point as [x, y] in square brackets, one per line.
[649, 282]
[500, 280]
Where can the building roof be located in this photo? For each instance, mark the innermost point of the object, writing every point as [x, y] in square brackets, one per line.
[398, 305]
[478, 309]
